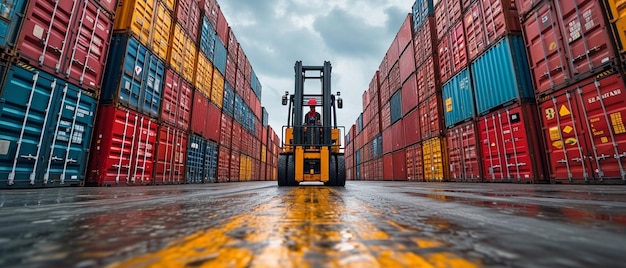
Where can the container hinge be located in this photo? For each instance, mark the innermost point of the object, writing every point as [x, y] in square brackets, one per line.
[29, 156]
[618, 156]
[602, 157]
[70, 160]
[55, 158]
[578, 159]
[562, 161]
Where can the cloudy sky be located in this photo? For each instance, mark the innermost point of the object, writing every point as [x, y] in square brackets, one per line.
[353, 35]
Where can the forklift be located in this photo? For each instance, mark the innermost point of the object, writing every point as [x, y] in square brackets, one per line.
[312, 148]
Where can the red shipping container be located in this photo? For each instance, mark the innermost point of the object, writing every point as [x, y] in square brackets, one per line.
[524, 6]
[586, 35]
[242, 59]
[447, 14]
[226, 131]
[122, 152]
[423, 41]
[109, 6]
[431, 119]
[205, 118]
[397, 133]
[409, 95]
[235, 162]
[222, 26]
[72, 42]
[405, 35]
[399, 166]
[510, 149]
[414, 163]
[394, 79]
[463, 153]
[171, 155]
[223, 165]
[236, 133]
[387, 168]
[411, 123]
[384, 91]
[232, 45]
[176, 102]
[231, 71]
[209, 9]
[427, 80]
[407, 64]
[188, 15]
[457, 45]
[365, 99]
[386, 116]
[393, 53]
[444, 54]
[474, 23]
[387, 140]
[546, 53]
[585, 131]
[500, 18]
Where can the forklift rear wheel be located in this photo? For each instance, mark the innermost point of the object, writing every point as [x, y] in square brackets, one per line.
[282, 170]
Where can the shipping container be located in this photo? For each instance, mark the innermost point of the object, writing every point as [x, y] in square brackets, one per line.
[421, 11]
[229, 100]
[412, 133]
[235, 158]
[463, 153]
[501, 75]
[397, 133]
[424, 41]
[427, 80]
[209, 8]
[223, 164]
[45, 130]
[616, 15]
[219, 56]
[452, 52]
[407, 64]
[409, 95]
[387, 168]
[395, 107]
[510, 148]
[434, 160]
[385, 117]
[201, 165]
[182, 55]
[11, 18]
[414, 164]
[231, 71]
[122, 151]
[458, 99]
[207, 38]
[217, 88]
[222, 25]
[232, 45]
[394, 78]
[204, 75]
[525, 6]
[162, 27]
[188, 15]
[584, 131]
[148, 21]
[205, 118]
[586, 35]
[226, 127]
[487, 21]
[447, 14]
[399, 166]
[170, 155]
[71, 43]
[431, 117]
[109, 6]
[177, 100]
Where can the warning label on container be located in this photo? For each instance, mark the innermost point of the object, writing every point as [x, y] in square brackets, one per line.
[550, 113]
[138, 70]
[568, 129]
[4, 147]
[564, 111]
[449, 105]
[558, 144]
[555, 135]
[618, 123]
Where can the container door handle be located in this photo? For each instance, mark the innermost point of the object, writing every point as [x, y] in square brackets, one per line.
[29, 157]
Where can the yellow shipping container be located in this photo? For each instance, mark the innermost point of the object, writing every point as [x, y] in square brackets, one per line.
[135, 16]
[170, 4]
[217, 89]
[160, 36]
[182, 55]
[245, 168]
[617, 17]
[434, 159]
[204, 75]
[263, 153]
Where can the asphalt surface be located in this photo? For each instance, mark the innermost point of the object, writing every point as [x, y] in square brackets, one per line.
[365, 224]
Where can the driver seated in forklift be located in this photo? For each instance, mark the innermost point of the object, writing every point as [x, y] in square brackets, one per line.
[313, 120]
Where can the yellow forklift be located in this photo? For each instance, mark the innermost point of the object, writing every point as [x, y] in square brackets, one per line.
[312, 149]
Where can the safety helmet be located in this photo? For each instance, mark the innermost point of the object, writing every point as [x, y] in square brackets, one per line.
[312, 102]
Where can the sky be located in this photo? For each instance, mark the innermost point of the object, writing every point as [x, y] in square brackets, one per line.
[353, 35]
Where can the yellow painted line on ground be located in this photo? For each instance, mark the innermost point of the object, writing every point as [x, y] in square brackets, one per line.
[308, 227]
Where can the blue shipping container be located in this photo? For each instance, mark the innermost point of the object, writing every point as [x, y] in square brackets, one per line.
[220, 55]
[395, 105]
[134, 76]
[228, 105]
[359, 123]
[207, 38]
[420, 11]
[501, 75]
[266, 115]
[201, 166]
[11, 17]
[45, 130]
[458, 99]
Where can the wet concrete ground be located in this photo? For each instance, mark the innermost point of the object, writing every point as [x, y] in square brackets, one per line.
[365, 224]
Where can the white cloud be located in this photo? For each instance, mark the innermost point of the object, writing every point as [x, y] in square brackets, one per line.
[353, 35]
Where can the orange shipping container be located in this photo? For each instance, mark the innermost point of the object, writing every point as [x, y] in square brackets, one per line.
[183, 53]
[148, 20]
[204, 75]
[217, 88]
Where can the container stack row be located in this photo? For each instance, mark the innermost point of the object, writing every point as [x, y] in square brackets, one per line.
[498, 91]
[136, 92]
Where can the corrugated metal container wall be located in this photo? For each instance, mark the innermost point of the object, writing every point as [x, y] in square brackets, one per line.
[219, 56]
[162, 25]
[397, 133]
[217, 88]
[510, 151]
[409, 94]
[431, 120]
[414, 171]
[412, 133]
[232, 45]
[204, 75]
[387, 140]
[386, 116]
[222, 25]
[196, 154]
[458, 99]
[501, 75]
[434, 159]
[108, 5]
[188, 15]
[474, 23]
[207, 38]
[447, 14]
[422, 9]
[210, 10]
[137, 17]
[223, 164]
[586, 122]
[176, 104]
[71, 43]
[228, 105]
[424, 41]
[226, 127]
[205, 118]
[405, 36]
[182, 55]
[525, 6]
[407, 64]
[394, 79]
[234, 165]
[395, 107]
[488, 21]
[10, 25]
[231, 71]
[546, 53]
[387, 168]
[427, 80]
[170, 155]
[616, 14]
[399, 165]
[133, 76]
[463, 154]
[123, 147]
[43, 119]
